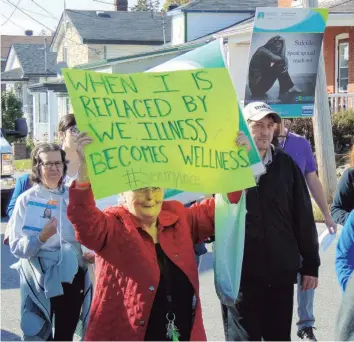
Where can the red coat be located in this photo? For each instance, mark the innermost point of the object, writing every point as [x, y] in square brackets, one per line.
[127, 272]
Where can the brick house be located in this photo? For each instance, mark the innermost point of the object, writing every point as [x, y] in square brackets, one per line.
[338, 45]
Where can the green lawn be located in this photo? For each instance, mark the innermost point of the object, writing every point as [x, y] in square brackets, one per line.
[22, 165]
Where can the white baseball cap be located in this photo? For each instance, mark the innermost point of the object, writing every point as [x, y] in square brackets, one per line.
[256, 111]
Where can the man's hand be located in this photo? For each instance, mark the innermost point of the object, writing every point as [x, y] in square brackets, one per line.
[242, 140]
[308, 282]
[331, 225]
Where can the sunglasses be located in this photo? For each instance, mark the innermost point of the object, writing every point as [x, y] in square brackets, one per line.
[143, 190]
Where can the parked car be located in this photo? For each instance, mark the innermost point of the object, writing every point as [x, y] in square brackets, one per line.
[8, 180]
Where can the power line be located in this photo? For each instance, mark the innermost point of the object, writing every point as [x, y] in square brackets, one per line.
[45, 10]
[128, 7]
[51, 30]
[30, 11]
[8, 19]
[103, 2]
[34, 19]
[13, 22]
[41, 14]
[339, 4]
[111, 3]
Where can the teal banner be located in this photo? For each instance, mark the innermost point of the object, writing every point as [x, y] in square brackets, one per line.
[283, 59]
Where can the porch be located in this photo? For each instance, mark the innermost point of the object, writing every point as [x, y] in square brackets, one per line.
[45, 109]
[341, 102]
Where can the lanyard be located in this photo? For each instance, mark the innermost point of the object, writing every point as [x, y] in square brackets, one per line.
[172, 331]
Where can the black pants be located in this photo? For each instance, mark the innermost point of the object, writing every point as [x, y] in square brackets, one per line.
[67, 308]
[261, 312]
[259, 86]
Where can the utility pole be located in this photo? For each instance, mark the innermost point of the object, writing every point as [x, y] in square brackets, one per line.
[163, 26]
[45, 56]
[322, 126]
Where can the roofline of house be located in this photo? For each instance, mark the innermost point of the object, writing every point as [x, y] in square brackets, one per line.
[56, 32]
[217, 11]
[101, 41]
[168, 50]
[8, 55]
[345, 19]
[186, 10]
[45, 86]
[7, 80]
[41, 74]
[125, 42]
[26, 77]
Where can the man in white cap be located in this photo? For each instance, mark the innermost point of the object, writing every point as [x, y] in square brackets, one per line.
[280, 228]
[299, 149]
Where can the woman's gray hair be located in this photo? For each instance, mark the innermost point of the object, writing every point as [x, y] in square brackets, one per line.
[121, 199]
[35, 175]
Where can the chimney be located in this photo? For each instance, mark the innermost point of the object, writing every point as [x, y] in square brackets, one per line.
[121, 5]
[172, 7]
[284, 3]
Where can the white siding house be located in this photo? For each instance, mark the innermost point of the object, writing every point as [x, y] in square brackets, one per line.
[201, 18]
[178, 29]
[200, 24]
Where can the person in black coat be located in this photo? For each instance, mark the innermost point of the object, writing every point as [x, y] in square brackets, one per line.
[280, 228]
[343, 202]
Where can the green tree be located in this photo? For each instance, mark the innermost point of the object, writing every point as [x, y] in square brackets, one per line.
[174, 2]
[147, 5]
[11, 108]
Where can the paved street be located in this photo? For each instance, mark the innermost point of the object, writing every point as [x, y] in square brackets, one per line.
[326, 302]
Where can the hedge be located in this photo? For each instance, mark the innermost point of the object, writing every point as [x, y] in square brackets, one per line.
[342, 127]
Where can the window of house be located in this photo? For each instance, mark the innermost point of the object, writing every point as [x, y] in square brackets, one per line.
[43, 108]
[343, 58]
[67, 105]
[65, 54]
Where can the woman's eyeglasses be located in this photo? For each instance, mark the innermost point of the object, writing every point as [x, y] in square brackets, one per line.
[143, 190]
[73, 130]
[48, 165]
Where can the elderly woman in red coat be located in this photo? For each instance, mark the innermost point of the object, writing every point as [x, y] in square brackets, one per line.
[146, 275]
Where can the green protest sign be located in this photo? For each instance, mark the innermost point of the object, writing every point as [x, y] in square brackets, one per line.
[172, 130]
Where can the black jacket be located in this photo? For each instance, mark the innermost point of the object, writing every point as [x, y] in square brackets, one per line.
[279, 226]
[343, 202]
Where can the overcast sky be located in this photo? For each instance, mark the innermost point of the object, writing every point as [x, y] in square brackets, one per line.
[19, 22]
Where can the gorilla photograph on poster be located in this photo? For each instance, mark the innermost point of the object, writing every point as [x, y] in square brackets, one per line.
[283, 68]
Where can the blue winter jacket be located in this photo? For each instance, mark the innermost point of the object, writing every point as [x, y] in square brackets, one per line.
[345, 252]
[22, 184]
